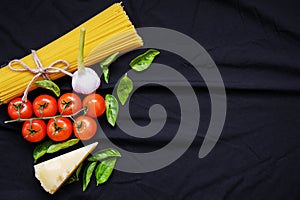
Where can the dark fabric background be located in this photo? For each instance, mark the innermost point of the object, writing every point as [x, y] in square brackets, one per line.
[255, 45]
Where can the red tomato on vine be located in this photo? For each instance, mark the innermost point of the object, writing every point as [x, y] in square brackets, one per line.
[44, 106]
[84, 127]
[69, 103]
[18, 109]
[59, 129]
[34, 130]
[95, 105]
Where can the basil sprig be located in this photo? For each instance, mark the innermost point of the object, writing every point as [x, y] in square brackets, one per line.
[41, 150]
[87, 174]
[63, 145]
[143, 61]
[104, 162]
[50, 85]
[112, 109]
[124, 89]
[75, 176]
[104, 170]
[51, 147]
[105, 65]
[104, 154]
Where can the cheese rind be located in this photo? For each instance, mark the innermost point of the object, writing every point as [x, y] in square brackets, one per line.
[54, 172]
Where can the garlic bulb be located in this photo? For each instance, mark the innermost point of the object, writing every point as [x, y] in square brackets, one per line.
[84, 80]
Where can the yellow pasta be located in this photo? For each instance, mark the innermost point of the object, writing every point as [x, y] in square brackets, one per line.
[108, 32]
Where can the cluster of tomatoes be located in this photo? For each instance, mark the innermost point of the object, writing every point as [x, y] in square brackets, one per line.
[58, 119]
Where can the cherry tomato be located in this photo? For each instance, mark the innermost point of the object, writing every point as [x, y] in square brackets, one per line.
[59, 129]
[19, 109]
[69, 103]
[84, 127]
[34, 131]
[95, 105]
[44, 106]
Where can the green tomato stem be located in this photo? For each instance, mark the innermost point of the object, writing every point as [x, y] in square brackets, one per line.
[45, 118]
[81, 50]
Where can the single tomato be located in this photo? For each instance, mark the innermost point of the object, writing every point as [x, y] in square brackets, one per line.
[44, 106]
[34, 130]
[19, 109]
[69, 103]
[95, 105]
[84, 127]
[59, 129]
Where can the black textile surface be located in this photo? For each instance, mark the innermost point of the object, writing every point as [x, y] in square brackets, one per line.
[255, 45]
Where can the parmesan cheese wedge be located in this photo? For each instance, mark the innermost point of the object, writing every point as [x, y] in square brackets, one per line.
[54, 172]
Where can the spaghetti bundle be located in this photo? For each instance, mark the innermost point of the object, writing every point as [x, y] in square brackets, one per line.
[108, 32]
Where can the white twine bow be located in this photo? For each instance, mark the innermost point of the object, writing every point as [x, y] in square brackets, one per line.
[39, 70]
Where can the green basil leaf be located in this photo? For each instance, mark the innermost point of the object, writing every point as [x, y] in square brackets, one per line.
[72, 179]
[105, 63]
[78, 171]
[103, 154]
[63, 145]
[106, 74]
[87, 174]
[75, 176]
[112, 109]
[41, 150]
[50, 85]
[124, 88]
[143, 61]
[104, 170]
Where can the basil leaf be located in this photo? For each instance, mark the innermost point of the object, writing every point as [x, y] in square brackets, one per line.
[112, 109]
[104, 170]
[63, 145]
[75, 176]
[105, 63]
[50, 85]
[106, 74]
[87, 174]
[143, 61]
[41, 150]
[72, 179]
[124, 88]
[103, 154]
[78, 171]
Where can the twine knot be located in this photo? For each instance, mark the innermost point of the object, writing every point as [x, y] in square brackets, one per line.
[39, 70]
